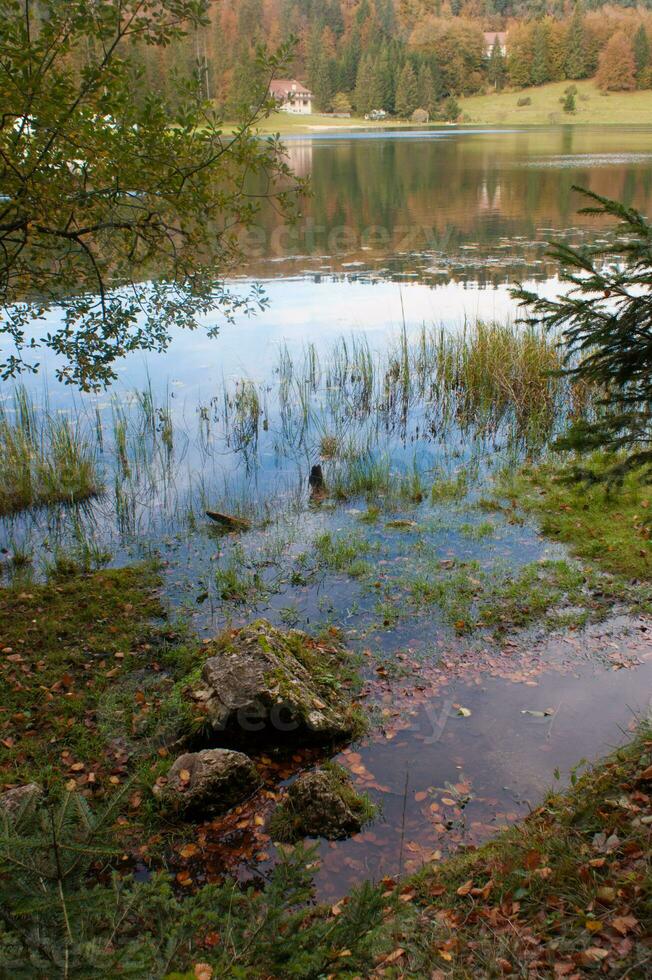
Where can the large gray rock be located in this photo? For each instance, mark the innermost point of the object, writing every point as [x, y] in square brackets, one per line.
[13, 800]
[265, 684]
[321, 803]
[210, 782]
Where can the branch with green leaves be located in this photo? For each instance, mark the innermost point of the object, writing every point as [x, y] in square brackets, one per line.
[123, 213]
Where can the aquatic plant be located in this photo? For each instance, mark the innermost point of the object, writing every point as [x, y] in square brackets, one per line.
[44, 459]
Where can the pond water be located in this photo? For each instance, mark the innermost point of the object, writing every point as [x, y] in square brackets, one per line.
[403, 230]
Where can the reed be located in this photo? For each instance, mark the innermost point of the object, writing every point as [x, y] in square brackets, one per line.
[44, 459]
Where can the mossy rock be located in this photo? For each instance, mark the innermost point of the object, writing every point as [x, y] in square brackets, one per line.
[210, 782]
[321, 803]
[263, 684]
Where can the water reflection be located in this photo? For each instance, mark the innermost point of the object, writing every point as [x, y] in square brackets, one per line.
[394, 204]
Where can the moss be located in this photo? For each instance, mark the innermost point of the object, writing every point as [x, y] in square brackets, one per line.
[84, 663]
[607, 526]
[333, 668]
[287, 825]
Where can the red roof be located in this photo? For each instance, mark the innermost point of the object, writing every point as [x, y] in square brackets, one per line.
[490, 37]
[283, 88]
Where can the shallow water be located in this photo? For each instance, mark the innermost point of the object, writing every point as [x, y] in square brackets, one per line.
[402, 229]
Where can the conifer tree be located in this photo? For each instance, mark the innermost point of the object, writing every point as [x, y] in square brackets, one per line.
[540, 71]
[641, 53]
[426, 88]
[576, 57]
[605, 321]
[497, 69]
[407, 91]
[364, 84]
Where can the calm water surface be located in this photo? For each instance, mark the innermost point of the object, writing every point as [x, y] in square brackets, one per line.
[403, 229]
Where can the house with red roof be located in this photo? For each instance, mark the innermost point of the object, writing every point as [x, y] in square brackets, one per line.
[291, 96]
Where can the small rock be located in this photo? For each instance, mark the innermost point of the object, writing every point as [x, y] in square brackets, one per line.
[12, 800]
[321, 803]
[210, 781]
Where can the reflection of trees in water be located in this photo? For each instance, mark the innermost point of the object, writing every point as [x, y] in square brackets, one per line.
[461, 189]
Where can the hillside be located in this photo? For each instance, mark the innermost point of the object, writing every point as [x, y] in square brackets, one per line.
[593, 107]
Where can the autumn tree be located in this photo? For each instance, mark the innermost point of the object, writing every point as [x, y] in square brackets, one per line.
[616, 68]
[121, 213]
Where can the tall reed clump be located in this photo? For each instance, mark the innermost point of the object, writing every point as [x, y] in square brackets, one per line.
[495, 369]
[44, 459]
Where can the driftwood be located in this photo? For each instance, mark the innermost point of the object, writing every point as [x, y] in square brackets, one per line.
[228, 522]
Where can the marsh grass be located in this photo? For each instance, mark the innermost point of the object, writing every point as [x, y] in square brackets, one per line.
[610, 527]
[389, 428]
[344, 553]
[546, 593]
[44, 459]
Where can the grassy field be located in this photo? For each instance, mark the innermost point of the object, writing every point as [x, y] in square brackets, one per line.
[498, 109]
[287, 124]
[593, 106]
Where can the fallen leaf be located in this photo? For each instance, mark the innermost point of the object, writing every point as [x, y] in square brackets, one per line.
[624, 924]
[203, 971]
[465, 889]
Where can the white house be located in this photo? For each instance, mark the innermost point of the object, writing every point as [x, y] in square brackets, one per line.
[291, 96]
[490, 38]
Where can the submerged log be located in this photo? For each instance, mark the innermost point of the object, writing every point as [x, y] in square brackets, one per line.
[228, 522]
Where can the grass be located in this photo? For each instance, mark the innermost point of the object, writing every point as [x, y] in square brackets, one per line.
[593, 107]
[343, 553]
[288, 124]
[566, 892]
[495, 368]
[71, 651]
[549, 594]
[44, 459]
[610, 527]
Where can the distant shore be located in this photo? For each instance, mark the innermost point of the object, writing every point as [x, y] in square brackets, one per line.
[593, 107]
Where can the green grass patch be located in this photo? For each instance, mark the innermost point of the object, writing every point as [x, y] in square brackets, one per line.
[608, 526]
[343, 553]
[592, 107]
[545, 593]
[84, 664]
[44, 459]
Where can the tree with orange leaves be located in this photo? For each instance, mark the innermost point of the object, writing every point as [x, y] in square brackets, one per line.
[616, 68]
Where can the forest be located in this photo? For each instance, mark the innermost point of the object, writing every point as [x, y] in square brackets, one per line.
[400, 55]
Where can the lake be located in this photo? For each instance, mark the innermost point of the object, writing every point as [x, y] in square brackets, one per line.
[406, 233]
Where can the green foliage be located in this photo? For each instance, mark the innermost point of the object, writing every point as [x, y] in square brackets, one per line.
[568, 102]
[641, 51]
[44, 459]
[576, 55]
[497, 68]
[609, 526]
[605, 324]
[57, 919]
[407, 92]
[102, 190]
